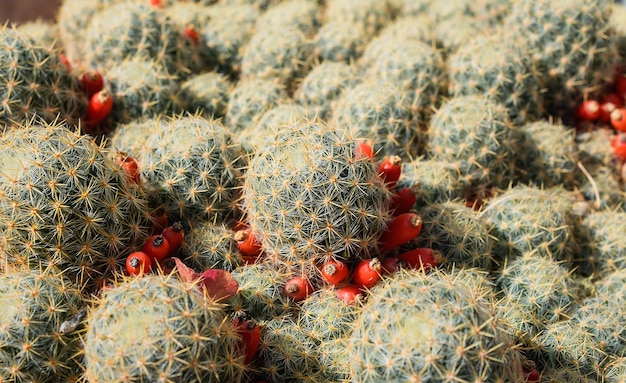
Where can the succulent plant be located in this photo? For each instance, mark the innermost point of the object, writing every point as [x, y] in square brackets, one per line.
[337, 42]
[210, 246]
[206, 93]
[305, 15]
[250, 99]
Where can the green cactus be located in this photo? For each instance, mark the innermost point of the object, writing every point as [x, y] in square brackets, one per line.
[381, 112]
[66, 203]
[192, 167]
[493, 66]
[141, 89]
[261, 5]
[131, 138]
[261, 292]
[36, 344]
[372, 14]
[44, 33]
[453, 33]
[570, 46]
[549, 154]
[615, 371]
[528, 220]
[475, 135]
[324, 85]
[136, 30]
[280, 54]
[284, 114]
[250, 99]
[433, 328]
[603, 248]
[537, 292]
[324, 318]
[617, 14]
[483, 11]
[308, 198]
[305, 15]
[210, 246]
[230, 28]
[156, 328]
[338, 41]
[35, 82]
[455, 231]
[206, 93]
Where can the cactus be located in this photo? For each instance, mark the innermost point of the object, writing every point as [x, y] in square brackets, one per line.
[323, 86]
[615, 371]
[308, 198]
[617, 14]
[131, 138]
[325, 318]
[260, 292]
[44, 33]
[457, 234]
[279, 54]
[156, 328]
[230, 28]
[436, 327]
[475, 135]
[537, 292]
[380, 111]
[210, 246]
[603, 248]
[192, 167]
[206, 93]
[66, 203]
[261, 5]
[436, 181]
[35, 82]
[34, 344]
[493, 66]
[337, 42]
[249, 100]
[372, 14]
[284, 114]
[141, 89]
[490, 12]
[305, 15]
[549, 154]
[528, 220]
[569, 45]
[453, 33]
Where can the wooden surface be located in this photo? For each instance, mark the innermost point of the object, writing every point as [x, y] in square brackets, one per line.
[19, 11]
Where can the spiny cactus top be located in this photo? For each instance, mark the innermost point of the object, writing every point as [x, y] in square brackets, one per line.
[157, 328]
[65, 202]
[433, 328]
[34, 81]
[308, 198]
[35, 346]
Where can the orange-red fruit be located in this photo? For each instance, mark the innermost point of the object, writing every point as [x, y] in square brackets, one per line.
[609, 103]
[174, 235]
[404, 200]
[618, 119]
[129, 166]
[367, 273]
[334, 271]
[156, 247]
[159, 220]
[420, 258]
[298, 288]
[532, 376]
[589, 110]
[401, 229]
[350, 294]
[100, 105]
[192, 34]
[92, 81]
[250, 335]
[619, 146]
[247, 243]
[363, 150]
[65, 61]
[391, 265]
[156, 3]
[138, 263]
[389, 170]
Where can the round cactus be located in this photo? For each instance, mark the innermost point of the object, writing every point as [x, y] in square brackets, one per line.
[250, 99]
[305, 15]
[337, 42]
[284, 114]
[206, 93]
[36, 342]
[326, 318]
[210, 246]
[156, 328]
[435, 327]
[372, 14]
[603, 249]
[308, 198]
[44, 33]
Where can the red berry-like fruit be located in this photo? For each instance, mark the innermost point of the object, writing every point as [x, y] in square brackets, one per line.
[129, 166]
[367, 273]
[298, 288]
[420, 258]
[174, 235]
[100, 105]
[532, 376]
[390, 170]
[159, 220]
[250, 335]
[247, 242]
[138, 263]
[391, 265]
[350, 294]
[404, 200]
[157, 3]
[609, 103]
[192, 34]
[156, 247]
[65, 61]
[363, 150]
[334, 271]
[92, 81]
[619, 146]
[401, 229]
[589, 110]
[618, 119]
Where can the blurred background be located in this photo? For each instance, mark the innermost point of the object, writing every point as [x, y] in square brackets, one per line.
[20, 11]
